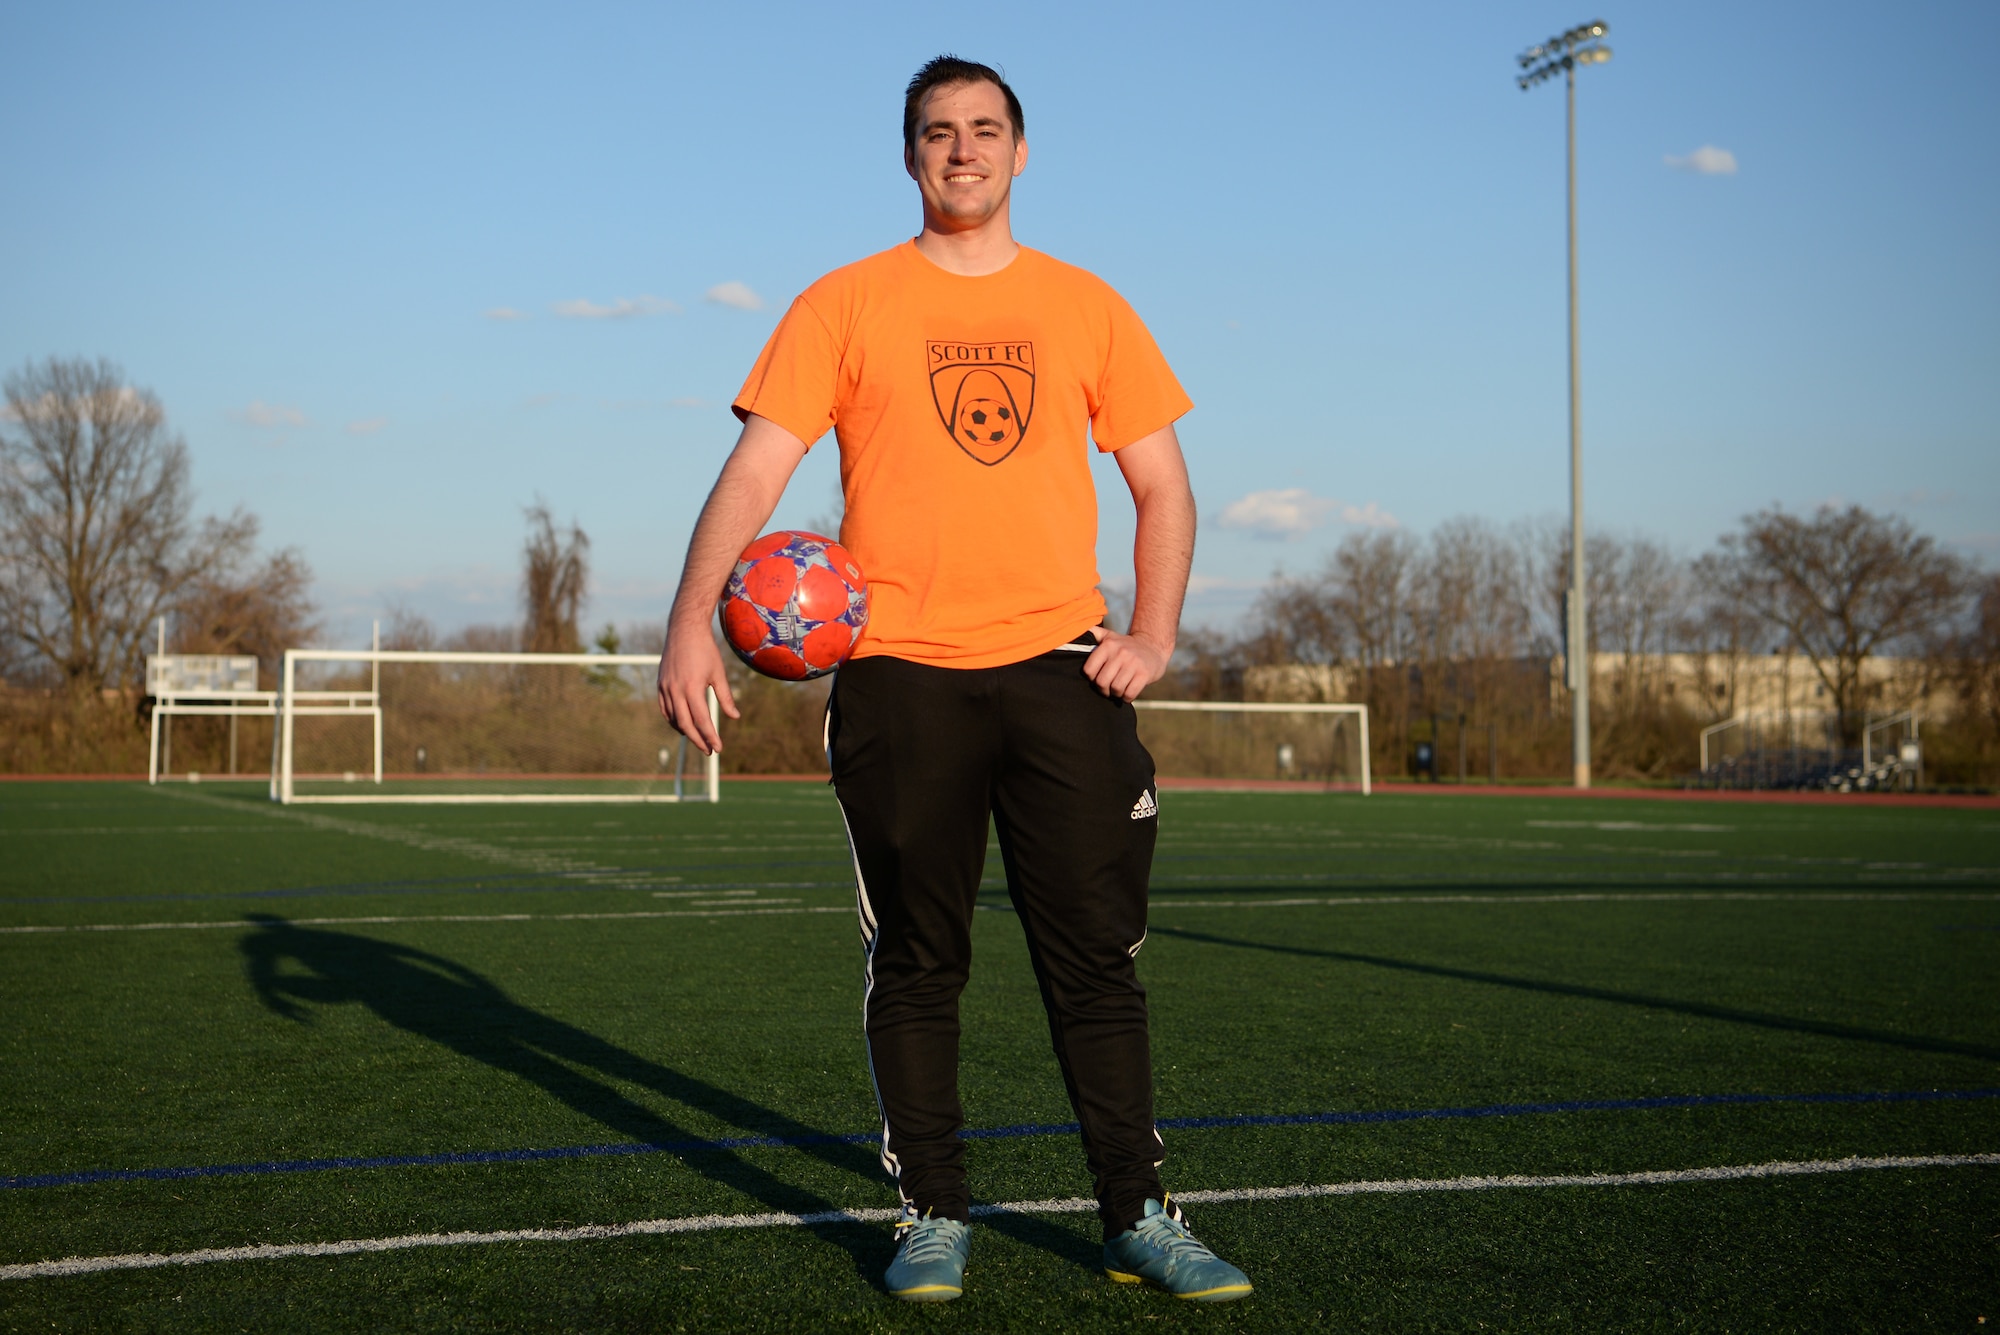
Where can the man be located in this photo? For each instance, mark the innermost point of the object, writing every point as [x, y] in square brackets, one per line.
[962, 373]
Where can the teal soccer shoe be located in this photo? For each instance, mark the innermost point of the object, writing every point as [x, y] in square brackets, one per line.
[1160, 1251]
[930, 1261]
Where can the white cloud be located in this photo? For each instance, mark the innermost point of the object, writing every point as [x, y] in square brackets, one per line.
[1278, 514]
[1708, 160]
[367, 426]
[621, 308]
[271, 415]
[1370, 515]
[1199, 584]
[734, 294]
[506, 313]
[1292, 511]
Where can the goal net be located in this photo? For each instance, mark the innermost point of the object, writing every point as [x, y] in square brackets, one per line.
[1317, 745]
[415, 726]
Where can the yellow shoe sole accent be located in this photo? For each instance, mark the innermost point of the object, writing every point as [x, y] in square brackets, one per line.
[927, 1293]
[1220, 1293]
[1201, 1295]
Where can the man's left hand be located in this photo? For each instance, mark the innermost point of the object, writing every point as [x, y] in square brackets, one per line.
[1124, 665]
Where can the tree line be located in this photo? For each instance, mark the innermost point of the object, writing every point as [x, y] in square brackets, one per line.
[1463, 627]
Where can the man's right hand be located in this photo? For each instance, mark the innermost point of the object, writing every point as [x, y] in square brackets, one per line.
[738, 506]
[689, 667]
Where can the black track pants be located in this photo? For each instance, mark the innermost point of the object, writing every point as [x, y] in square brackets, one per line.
[921, 757]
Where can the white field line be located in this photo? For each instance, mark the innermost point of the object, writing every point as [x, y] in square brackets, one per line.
[1344, 901]
[98, 830]
[1660, 896]
[745, 912]
[84, 1265]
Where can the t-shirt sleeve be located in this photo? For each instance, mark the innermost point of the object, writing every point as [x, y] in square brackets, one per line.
[1137, 391]
[794, 382]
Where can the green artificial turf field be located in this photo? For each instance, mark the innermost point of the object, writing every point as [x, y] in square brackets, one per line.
[439, 989]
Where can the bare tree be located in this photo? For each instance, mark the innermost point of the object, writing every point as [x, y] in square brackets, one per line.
[1292, 621]
[1645, 597]
[96, 537]
[1369, 576]
[1474, 604]
[1356, 612]
[1727, 637]
[554, 584]
[238, 609]
[1977, 659]
[1550, 542]
[1356, 609]
[409, 629]
[1644, 613]
[1841, 586]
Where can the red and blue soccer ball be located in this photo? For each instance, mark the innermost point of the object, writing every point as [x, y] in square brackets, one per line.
[794, 605]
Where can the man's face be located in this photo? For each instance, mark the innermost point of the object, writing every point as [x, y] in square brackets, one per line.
[966, 156]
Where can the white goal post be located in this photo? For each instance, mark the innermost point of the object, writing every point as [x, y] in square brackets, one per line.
[1233, 740]
[463, 728]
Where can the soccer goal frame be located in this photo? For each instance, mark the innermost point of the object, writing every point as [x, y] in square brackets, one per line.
[1360, 712]
[294, 703]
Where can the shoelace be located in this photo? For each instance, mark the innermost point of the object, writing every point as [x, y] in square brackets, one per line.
[926, 1240]
[1171, 1236]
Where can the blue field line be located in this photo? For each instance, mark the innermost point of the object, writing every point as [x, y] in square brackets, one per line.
[973, 1133]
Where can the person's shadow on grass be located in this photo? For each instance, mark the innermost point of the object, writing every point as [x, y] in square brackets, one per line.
[444, 1001]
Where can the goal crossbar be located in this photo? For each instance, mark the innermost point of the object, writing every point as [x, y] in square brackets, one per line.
[294, 702]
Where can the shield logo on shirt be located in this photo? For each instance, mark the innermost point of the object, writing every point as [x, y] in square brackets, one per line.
[984, 392]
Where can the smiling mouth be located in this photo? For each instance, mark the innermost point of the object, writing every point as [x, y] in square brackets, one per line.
[963, 178]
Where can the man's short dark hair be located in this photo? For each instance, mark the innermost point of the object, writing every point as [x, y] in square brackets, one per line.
[946, 70]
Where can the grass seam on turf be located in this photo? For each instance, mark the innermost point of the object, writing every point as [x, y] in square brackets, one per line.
[83, 1265]
[1653, 1103]
[1346, 901]
[419, 839]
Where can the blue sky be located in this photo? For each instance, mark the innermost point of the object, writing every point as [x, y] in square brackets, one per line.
[1343, 223]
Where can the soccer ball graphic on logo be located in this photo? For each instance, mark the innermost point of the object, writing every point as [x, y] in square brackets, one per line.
[986, 422]
[794, 605]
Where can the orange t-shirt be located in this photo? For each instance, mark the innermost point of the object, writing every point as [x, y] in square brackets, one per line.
[962, 406]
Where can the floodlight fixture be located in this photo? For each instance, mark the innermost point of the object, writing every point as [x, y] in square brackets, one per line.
[1581, 45]
[1563, 52]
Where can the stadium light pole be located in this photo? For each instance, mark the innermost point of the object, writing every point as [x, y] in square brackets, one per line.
[1581, 45]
